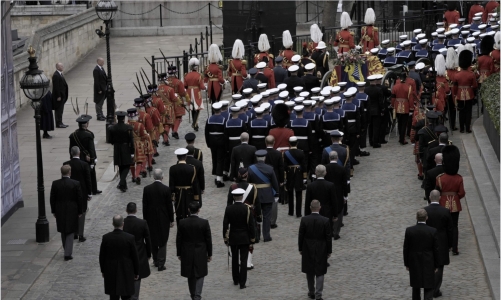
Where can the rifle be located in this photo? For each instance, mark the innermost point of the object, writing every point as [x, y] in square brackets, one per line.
[145, 86]
[149, 82]
[139, 83]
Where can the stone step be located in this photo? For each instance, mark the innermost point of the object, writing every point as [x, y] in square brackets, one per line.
[487, 153]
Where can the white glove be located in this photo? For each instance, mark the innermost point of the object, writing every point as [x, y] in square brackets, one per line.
[304, 181]
[336, 48]
[92, 166]
[95, 161]
[259, 223]
[345, 198]
[410, 114]
[248, 76]
[327, 52]
[276, 199]
[132, 156]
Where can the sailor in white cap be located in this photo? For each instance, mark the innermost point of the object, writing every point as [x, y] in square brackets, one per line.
[330, 120]
[281, 87]
[237, 66]
[315, 91]
[239, 227]
[258, 129]
[406, 54]
[455, 38]
[251, 82]
[344, 39]
[247, 93]
[293, 80]
[284, 95]
[361, 101]
[295, 164]
[260, 72]
[297, 90]
[261, 87]
[353, 128]
[182, 184]
[296, 61]
[383, 51]
[213, 74]
[310, 81]
[423, 49]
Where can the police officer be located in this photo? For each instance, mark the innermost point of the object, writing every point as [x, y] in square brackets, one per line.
[214, 136]
[123, 148]
[390, 60]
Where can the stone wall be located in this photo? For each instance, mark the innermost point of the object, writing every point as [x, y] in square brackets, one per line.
[28, 18]
[66, 41]
[174, 13]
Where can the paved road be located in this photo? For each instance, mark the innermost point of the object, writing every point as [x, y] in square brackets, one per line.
[366, 263]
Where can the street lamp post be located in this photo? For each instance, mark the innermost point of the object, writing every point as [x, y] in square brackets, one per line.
[35, 86]
[106, 11]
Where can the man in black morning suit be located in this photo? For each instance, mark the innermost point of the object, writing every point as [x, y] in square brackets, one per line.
[443, 140]
[139, 229]
[431, 176]
[80, 171]
[440, 218]
[159, 214]
[122, 139]
[323, 191]
[118, 252]
[336, 174]
[199, 168]
[274, 158]
[296, 170]
[59, 94]
[66, 206]
[243, 153]
[194, 249]
[238, 233]
[421, 256]
[315, 247]
[100, 87]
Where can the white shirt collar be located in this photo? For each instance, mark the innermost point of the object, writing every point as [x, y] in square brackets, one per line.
[434, 203]
[66, 176]
[441, 144]
[131, 215]
[421, 222]
[320, 178]
[315, 212]
[60, 73]
[76, 157]
[158, 180]
[334, 161]
[239, 201]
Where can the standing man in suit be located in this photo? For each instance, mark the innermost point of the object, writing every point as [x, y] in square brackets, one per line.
[274, 158]
[431, 176]
[190, 140]
[421, 256]
[194, 249]
[199, 168]
[443, 140]
[59, 94]
[336, 174]
[279, 71]
[239, 235]
[315, 247]
[263, 177]
[81, 173]
[323, 191]
[296, 175]
[100, 88]
[159, 214]
[139, 229]
[440, 218]
[242, 154]
[122, 139]
[66, 206]
[118, 252]
[182, 180]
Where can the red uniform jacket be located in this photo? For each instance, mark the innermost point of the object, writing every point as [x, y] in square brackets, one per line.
[451, 74]
[154, 115]
[271, 77]
[281, 136]
[259, 57]
[475, 8]
[485, 67]
[310, 46]
[178, 87]
[194, 84]
[139, 134]
[214, 78]
[489, 8]
[237, 73]
[465, 84]
[495, 58]
[370, 38]
[168, 97]
[451, 17]
[413, 97]
[287, 54]
[145, 118]
[451, 191]
[442, 90]
[158, 104]
[345, 40]
[400, 97]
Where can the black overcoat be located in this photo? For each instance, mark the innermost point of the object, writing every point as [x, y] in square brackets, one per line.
[158, 211]
[315, 243]
[100, 80]
[139, 229]
[66, 204]
[337, 175]
[80, 171]
[59, 90]
[123, 143]
[323, 191]
[440, 218]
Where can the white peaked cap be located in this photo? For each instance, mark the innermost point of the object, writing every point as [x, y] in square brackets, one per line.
[304, 94]
[315, 90]
[238, 191]
[283, 94]
[353, 90]
[261, 65]
[374, 50]
[290, 103]
[336, 99]
[263, 43]
[296, 58]
[238, 49]
[259, 110]
[470, 39]
[420, 66]
[287, 39]
[329, 102]
[293, 68]
[214, 55]
[315, 33]
[293, 139]
[479, 14]
[417, 31]
[325, 92]
[256, 98]
[335, 89]
[224, 102]
[423, 41]
[440, 65]
[247, 91]
[497, 38]
[279, 101]
[181, 151]
[265, 94]
[237, 96]
[266, 105]
[361, 83]
[298, 100]
[310, 66]
[217, 105]
[452, 26]
[370, 16]
[342, 83]
[298, 88]
[262, 85]
[421, 36]
[345, 20]
[282, 86]
[299, 107]
[193, 62]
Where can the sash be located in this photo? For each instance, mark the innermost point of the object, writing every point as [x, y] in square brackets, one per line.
[261, 176]
[291, 158]
[247, 191]
[328, 150]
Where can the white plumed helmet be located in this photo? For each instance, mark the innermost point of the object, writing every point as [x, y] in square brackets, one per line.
[497, 38]
[287, 39]
[345, 20]
[214, 54]
[370, 16]
[238, 49]
[440, 65]
[316, 33]
[263, 43]
[193, 62]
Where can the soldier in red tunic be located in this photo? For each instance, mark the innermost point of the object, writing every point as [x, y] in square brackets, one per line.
[344, 38]
[213, 75]
[485, 63]
[451, 16]
[264, 46]
[194, 84]
[370, 34]
[495, 53]
[490, 8]
[316, 36]
[168, 97]
[237, 67]
[138, 132]
[281, 134]
[401, 100]
[464, 88]
[182, 99]
[145, 119]
[475, 8]
[450, 185]
[288, 53]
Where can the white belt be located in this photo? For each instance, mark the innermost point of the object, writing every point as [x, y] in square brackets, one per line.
[352, 121]
[302, 137]
[234, 138]
[216, 133]
[313, 131]
[365, 109]
[258, 136]
[282, 148]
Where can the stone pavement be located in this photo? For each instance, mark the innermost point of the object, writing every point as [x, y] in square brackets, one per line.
[366, 264]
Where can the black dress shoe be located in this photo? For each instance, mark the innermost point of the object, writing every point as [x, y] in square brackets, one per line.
[219, 184]
[461, 131]
[156, 154]
[66, 258]
[133, 179]
[175, 135]
[166, 143]
[311, 296]
[82, 239]
[61, 126]
[420, 177]
[364, 153]
[243, 287]
[123, 190]
[404, 143]
[328, 265]
[144, 174]
[46, 136]
[455, 253]
[226, 178]
[355, 162]
[236, 283]
[138, 180]
[273, 226]
[153, 161]
[196, 128]
[161, 268]
[101, 118]
[384, 142]
[345, 214]
[455, 129]
[268, 240]
[150, 169]
[97, 192]
[376, 146]
[337, 237]
[75, 237]
[468, 131]
[250, 268]
[342, 225]
[437, 294]
[298, 216]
